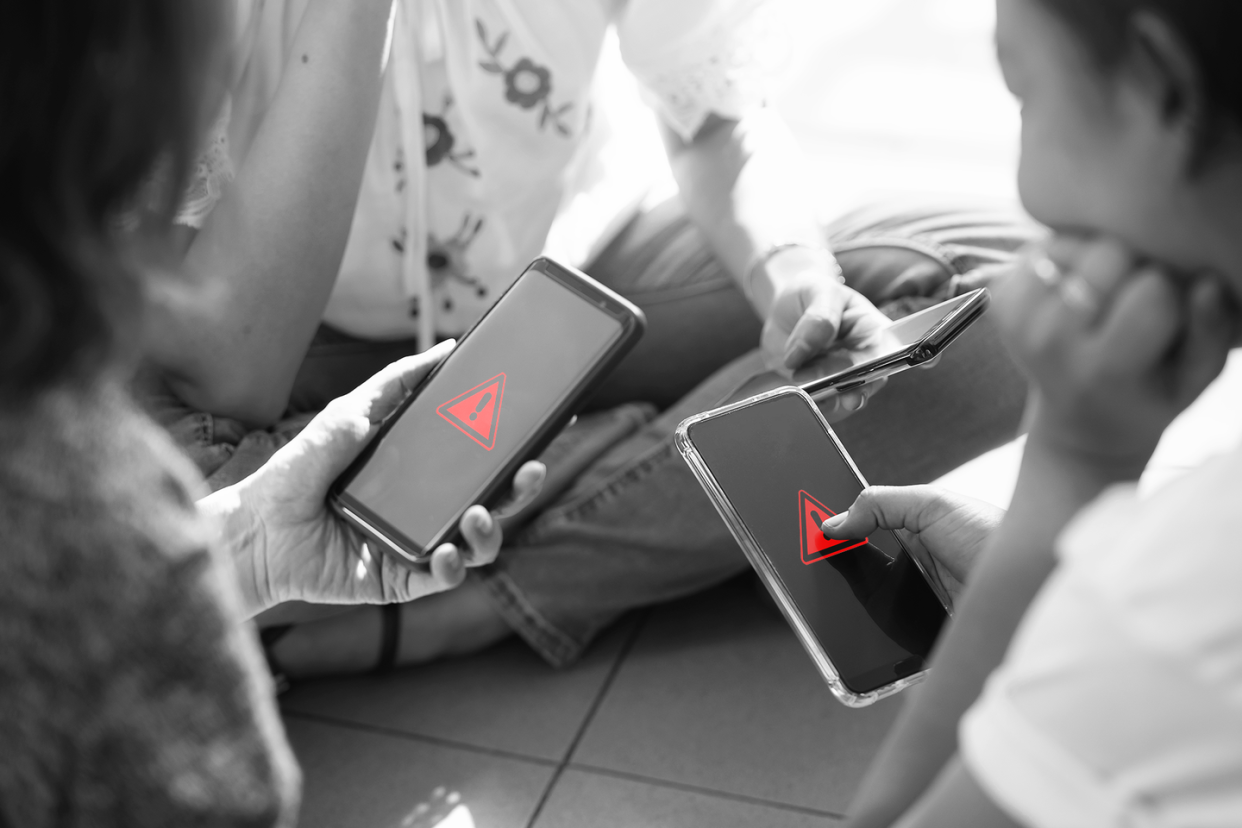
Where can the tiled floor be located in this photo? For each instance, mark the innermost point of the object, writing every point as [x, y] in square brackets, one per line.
[704, 712]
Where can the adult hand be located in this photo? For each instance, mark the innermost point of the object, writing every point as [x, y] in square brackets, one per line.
[287, 545]
[947, 532]
[817, 326]
[1115, 346]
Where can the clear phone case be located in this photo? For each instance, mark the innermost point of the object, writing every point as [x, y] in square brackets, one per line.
[759, 560]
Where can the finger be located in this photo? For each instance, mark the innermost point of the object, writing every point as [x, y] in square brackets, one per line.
[1104, 264]
[816, 330]
[340, 432]
[447, 567]
[1141, 327]
[853, 401]
[1211, 332]
[913, 508]
[527, 484]
[381, 394]
[482, 534]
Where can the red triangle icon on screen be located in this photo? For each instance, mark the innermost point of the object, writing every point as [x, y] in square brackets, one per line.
[476, 413]
[816, 546]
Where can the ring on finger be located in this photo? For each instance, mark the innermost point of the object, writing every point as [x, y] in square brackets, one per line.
[1047, 271]
[1078, 295]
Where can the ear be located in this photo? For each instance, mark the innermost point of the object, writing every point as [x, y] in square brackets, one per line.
[1168, 74]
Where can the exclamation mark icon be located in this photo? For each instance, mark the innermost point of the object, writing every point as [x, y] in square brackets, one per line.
[474, 415]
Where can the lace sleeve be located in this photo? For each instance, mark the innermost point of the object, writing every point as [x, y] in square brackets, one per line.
[212, 174]
[696, 58]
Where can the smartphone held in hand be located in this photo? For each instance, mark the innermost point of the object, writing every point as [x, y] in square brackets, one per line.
[513, 381]
[863, 609]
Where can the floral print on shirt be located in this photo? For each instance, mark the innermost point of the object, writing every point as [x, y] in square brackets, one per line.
[527, 84]
[441, 143]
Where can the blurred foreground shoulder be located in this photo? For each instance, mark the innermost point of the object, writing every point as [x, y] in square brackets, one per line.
[130, 691]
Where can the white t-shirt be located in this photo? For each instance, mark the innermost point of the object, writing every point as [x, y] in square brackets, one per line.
[485, 129]
[1120, 701]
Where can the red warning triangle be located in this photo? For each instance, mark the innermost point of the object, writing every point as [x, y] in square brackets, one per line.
[476, 413]
[815, 545]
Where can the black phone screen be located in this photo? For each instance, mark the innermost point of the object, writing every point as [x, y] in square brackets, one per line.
[867, 602]
[483, 406]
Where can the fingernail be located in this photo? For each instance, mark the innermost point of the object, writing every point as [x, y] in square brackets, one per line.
[834, 521]
[485, 523]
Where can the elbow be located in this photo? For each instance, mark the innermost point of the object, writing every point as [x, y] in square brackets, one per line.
[254, 400]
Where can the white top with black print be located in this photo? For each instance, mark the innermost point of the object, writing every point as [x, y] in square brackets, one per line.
[485, 131]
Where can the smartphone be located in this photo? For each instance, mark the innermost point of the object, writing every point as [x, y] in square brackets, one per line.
[863, 609]
[511, 384]
[904, 344]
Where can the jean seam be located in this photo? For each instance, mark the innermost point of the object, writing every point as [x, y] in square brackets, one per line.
[549, 641]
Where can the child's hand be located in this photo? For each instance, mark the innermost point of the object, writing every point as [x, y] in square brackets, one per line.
[1115, 347]
[947, 532]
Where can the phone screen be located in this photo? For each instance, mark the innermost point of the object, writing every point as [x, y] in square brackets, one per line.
[910, 330]
[866, 601]
[893, 340]
[483, 405]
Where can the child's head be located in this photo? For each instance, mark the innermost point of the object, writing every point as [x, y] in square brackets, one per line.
[1132, 120]
[93, 97]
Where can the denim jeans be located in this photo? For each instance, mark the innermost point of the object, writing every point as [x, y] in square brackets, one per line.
[622, 523]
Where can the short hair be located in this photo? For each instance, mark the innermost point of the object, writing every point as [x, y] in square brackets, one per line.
[1209, 28]
[95, 97]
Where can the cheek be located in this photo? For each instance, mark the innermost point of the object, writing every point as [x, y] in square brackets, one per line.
[1064, 174]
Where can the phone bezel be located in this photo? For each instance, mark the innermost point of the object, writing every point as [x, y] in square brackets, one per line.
[767, 570]
[930, 346]
[391, 539]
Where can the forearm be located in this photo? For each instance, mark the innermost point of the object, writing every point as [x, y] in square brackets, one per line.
[741, 185]
[259, 274]
[1053, 486]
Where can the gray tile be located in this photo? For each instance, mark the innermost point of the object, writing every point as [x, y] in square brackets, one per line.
[586, 799]
[505, 698]
[353, 778]
[718, 694]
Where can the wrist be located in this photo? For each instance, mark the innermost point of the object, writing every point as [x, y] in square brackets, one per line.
[240, 538]
[783, 264]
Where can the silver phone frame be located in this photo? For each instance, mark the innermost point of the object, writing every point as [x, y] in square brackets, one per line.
[764, 567]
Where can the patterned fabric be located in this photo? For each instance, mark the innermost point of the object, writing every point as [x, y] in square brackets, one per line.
[486, 128]
[130, 692]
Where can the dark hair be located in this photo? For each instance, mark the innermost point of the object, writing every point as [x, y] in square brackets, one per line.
[95, 97]
[1209, 28]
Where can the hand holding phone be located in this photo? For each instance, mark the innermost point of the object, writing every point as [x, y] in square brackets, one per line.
[862, 607]
[914, 340]
[513, 381]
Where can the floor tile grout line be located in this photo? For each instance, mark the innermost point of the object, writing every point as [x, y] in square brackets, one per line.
[713, 792]
[438, 741]
[589, 717]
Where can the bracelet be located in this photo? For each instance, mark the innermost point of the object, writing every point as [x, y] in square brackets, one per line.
[764, 258]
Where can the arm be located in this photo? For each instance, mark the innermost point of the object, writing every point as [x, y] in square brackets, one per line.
[1052, 487]
[740, 183]
[231, 335]
[956, 800]
[1111, 373]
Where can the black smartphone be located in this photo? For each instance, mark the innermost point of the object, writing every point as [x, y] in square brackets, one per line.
[907, 342]
[863, 609]
[513, 381]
